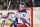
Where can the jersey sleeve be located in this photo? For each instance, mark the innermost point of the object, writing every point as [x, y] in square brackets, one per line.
[27, 18]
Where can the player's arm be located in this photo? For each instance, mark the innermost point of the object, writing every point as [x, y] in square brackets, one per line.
[4, 16]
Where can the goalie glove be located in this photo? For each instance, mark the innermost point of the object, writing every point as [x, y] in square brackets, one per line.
[12, 17]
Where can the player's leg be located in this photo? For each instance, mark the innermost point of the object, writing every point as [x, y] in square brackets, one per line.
[3, 23]
[12, 24]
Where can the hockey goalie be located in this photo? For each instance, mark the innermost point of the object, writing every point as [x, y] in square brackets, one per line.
[22, 18]
[19, 18]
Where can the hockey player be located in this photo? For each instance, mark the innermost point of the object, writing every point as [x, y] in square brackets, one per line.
[22, 16]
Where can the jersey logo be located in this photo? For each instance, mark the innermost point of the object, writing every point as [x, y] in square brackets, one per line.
[23, 15]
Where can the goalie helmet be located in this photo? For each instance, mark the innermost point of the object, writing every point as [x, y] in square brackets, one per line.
[23, 4]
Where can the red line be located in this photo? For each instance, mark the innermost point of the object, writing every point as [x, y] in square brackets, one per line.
[31, 16]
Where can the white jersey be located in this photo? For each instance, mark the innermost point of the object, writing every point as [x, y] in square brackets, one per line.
[22, 17]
